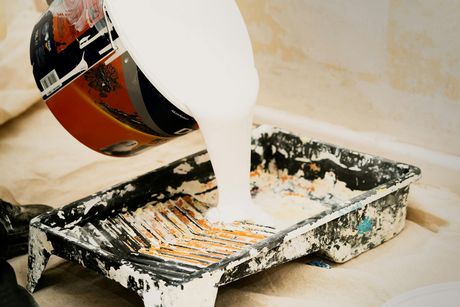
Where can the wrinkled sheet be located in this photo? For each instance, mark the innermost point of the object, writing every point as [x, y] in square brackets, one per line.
[41, 163]
[18, 89]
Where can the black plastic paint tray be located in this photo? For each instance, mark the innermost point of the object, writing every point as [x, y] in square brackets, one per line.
[151, 236]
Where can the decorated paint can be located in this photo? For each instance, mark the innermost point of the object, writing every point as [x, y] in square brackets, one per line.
[92, 85]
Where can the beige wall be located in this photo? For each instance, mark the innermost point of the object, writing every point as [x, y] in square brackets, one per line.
[383, 66]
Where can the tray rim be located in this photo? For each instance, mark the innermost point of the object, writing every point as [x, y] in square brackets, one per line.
[286, 234]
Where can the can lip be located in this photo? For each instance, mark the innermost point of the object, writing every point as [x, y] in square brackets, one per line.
[183, 48]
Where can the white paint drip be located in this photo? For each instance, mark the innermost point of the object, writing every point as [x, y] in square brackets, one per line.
[201, 60]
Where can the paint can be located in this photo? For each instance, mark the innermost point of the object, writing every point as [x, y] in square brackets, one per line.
[92, 85]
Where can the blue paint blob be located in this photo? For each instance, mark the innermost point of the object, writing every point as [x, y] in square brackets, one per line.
[320, 264]
[365, 225]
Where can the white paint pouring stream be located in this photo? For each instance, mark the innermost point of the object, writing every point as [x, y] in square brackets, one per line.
[198, 55]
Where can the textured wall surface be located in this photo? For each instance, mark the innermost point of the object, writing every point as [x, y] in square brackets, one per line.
[386, 66]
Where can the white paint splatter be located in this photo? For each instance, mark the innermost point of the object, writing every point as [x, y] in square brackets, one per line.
[127, 188]
[202, 158]
[91, 203]
[182, 168]
[72, 224]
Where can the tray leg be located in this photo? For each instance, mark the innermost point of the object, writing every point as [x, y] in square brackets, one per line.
[204, 296]
[39, 253]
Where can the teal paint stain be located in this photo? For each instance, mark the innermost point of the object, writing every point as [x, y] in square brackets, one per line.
[320, 264]
[365, 225]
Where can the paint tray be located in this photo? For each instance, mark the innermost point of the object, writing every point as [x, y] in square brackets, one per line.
[151, 235]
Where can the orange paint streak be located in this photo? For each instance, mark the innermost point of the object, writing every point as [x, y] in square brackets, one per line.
[194, 245]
